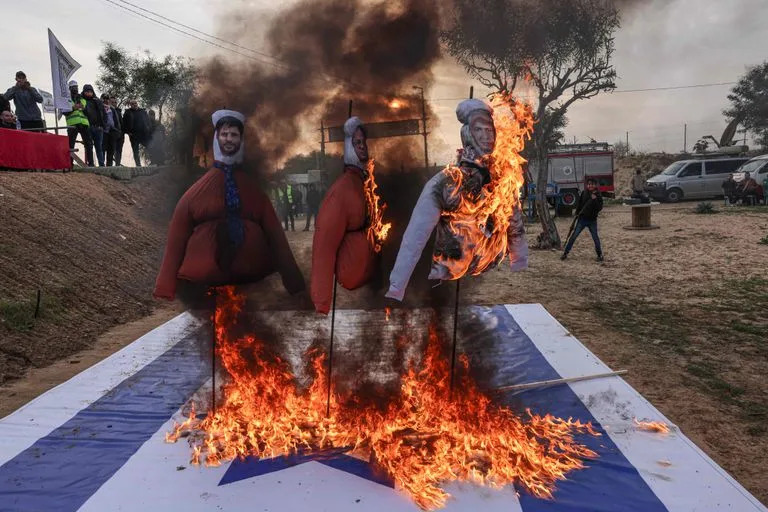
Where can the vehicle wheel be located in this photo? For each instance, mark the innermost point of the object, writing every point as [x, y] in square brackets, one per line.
[674, 195]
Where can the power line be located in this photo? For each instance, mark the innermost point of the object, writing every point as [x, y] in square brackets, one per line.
[123, 7]
[236, 45]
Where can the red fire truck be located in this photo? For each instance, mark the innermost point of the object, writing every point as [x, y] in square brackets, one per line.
[571, 165]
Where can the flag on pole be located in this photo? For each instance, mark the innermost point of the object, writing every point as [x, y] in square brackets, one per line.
[49, 105]
[63, 66]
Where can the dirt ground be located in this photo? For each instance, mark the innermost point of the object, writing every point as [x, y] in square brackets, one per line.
[682, 307]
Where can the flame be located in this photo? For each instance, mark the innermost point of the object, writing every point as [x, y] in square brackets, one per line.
[421, 439]
[387, 313]
[377, 229]
[652, 426]
[481, 221]
[395, 104]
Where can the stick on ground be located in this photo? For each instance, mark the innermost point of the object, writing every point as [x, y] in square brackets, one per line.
[553, 382]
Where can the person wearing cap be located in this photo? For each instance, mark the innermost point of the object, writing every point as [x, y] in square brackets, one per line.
[224, 229]
[94, 111]
[26, 98]
[77, 122]
[340, 246]
[442, 194]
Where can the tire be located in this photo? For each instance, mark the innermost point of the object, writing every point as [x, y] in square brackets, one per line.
[674, 195]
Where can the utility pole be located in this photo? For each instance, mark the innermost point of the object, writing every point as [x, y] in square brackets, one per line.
[685, 138]
[424, 125]
[322, 146]
[627, 143]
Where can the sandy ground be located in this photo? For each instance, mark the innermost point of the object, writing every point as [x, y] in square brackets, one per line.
[682, 308]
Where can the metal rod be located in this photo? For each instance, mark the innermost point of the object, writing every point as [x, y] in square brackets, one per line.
[552, 382]
[455, 328]
[213, 353]
[37, 306]
[330, 351]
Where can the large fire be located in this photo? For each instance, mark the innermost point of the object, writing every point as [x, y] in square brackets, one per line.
[377, 230]
[421, 439]
[482, 221]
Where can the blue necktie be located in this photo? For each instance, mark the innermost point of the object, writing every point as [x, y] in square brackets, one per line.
[232, 200]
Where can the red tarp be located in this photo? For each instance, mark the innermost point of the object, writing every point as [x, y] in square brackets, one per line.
[30, 150]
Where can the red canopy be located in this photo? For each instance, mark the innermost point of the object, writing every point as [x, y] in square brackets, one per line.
[31, 150]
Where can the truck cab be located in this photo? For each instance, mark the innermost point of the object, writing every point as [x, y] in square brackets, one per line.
[571, 165]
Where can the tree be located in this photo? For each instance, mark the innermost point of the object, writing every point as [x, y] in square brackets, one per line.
[749, 102]
[620, 149]
[561, 49]
[163, 84]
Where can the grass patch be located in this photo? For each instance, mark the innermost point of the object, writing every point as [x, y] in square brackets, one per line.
[705, 208]
[764, 240]
[19, 316]
[754, 330]
[644, 322]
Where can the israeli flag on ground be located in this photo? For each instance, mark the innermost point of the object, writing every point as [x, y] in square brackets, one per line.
[96, 443]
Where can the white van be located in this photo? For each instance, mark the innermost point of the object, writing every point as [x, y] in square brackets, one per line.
[757, 168]
[692, 179]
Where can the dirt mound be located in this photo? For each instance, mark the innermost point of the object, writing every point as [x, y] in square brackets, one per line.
[90, 244]
[650, 164]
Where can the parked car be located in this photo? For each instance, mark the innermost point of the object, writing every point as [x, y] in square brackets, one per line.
[692, 179]
[757, 168]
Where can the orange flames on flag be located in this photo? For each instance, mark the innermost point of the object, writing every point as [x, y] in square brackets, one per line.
[377, 230]
[421, 439]
[652, 426]
[482, 222]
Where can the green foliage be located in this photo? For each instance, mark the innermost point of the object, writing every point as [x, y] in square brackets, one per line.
[705, 208]
[560, 49]
[764, 240]
[19, 316]
[749, 102]
[157, 83]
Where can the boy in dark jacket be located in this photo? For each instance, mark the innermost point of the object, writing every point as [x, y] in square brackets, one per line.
[587, 207]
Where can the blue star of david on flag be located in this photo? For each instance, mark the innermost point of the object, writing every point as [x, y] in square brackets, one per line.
[250, 467]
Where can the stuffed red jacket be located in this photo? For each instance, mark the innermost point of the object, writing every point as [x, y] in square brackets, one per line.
[340, 245]
[191, 251]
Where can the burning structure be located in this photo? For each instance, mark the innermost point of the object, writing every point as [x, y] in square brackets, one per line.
[420, 438]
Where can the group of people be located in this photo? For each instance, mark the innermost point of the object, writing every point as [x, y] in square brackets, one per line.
[225, 230]
[745, 191]
[102, 126]
[99, 121]
[290, 203]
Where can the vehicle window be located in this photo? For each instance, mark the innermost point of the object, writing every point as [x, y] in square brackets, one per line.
[563, 169]
[673, 168]
[692, 169]
[752, 165]
[598, 165]
[764, 169]
[722, 166]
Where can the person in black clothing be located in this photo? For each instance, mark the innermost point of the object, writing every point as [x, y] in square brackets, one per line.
[7, 119]
[313, 205]
[121, 135]
[112, 131]
[729, 190]
[94, 111]
[137, 125]
[5, 105]
[588, 207]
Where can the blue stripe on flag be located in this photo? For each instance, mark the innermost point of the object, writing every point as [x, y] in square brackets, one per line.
[63, 469]
[610, 483]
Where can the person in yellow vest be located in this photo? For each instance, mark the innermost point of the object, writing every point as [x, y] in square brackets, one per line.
[77, 122]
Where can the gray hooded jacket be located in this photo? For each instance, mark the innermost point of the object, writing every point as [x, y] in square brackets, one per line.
[26, 101]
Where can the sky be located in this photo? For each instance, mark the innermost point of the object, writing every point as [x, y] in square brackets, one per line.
[661, 43]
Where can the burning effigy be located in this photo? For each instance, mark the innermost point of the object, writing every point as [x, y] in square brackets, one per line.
[349, 229]
[475, 204]
[424, 437]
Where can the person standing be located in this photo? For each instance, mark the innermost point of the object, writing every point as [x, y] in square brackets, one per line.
[136, 124]
[26, 98]
[112, 131]
[94, 111]
[121, 135]
[638, 185]
[285, 199]
[588, 207]
[313, 205]
[77, 122]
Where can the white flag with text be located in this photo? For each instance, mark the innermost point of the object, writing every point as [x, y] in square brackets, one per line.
[63, 66]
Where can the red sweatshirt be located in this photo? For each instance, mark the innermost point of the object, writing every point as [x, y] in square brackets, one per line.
[190, 253]
[340, 245]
